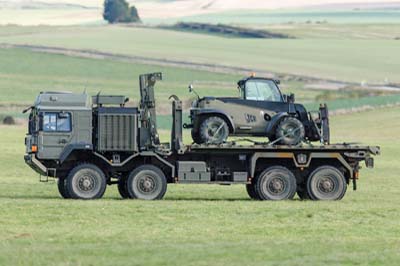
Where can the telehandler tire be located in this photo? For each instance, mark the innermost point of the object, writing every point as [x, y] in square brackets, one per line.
[290, 131]
[213, 130]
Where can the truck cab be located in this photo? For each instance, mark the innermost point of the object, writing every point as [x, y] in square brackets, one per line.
[53, 125]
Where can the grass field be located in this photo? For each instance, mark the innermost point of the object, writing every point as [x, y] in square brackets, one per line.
[205, 225]
[24, 74]
[349, 60]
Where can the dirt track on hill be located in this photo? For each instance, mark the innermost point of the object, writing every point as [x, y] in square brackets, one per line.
[311, 82]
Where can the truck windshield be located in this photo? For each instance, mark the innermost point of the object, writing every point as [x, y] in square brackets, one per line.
[262, 90]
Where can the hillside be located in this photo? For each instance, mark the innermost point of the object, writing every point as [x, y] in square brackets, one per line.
[72, 12]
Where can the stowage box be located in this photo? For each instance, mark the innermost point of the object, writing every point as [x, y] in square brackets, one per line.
[117, 129]
[193, 171]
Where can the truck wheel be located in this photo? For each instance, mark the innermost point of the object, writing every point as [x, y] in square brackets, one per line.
[290, 131]
[214, 130]
[122, 189]
[251, 191]
[275, 183]
[61, 184]
[86, 181]
[326, 183]
[147, 182]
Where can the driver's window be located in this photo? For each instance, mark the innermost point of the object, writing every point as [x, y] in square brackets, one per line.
[54, 122]
[257, 90]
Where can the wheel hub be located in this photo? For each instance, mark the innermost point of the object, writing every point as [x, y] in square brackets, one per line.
[146, 184]
[276, 185]
[86, 183]
[326, 185]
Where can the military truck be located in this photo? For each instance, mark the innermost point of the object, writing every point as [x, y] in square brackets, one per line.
[261, 110]
[88, 143]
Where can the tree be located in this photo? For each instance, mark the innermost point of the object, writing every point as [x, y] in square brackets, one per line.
[116, 11]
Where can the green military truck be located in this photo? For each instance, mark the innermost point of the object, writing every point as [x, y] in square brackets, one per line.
[88, 143]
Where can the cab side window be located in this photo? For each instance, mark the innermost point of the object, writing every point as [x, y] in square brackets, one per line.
[56, 122]
[262, 91]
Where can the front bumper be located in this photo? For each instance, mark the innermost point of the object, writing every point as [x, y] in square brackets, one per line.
[35, 164]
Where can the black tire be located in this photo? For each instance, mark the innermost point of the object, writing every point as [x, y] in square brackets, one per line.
[147, 182]
[275, 183]
[326, 183]
[86, 181]
[213, 130]
[196, 137]
[251, 191]
[302, 192]
[290, 131]
[61, 185]
[122, 189]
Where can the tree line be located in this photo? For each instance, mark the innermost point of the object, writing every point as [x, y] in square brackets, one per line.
[119, 11]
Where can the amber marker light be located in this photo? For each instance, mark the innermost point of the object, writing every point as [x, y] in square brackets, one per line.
[34, 148]
[356, 175]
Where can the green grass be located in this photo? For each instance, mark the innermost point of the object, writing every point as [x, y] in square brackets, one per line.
[351, 60]
[23, 74]
[205, 224]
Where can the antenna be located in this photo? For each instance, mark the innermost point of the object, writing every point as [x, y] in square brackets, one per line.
[84, 89]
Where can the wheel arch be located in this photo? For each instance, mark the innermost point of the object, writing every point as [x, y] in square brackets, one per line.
[214, 112]
[275, 120]
[290, 160]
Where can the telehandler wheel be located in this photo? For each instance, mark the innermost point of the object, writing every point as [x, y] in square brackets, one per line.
[122, 188]
[147, 182]
[326, 183]
[213, 130]
[86, 181]
[290, 131]
[196, 137]
[61, 184]
[275, 183]
[251, 191]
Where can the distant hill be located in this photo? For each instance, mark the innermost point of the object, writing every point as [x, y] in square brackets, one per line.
[69, 12]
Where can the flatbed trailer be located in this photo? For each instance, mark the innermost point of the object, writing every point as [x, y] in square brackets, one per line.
[122, 147]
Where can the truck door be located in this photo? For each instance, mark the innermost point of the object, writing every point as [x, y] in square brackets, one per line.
[55, 133]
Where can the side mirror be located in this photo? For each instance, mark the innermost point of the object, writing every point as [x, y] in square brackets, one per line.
[288, 98]
[277, 81]
[291, 98]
